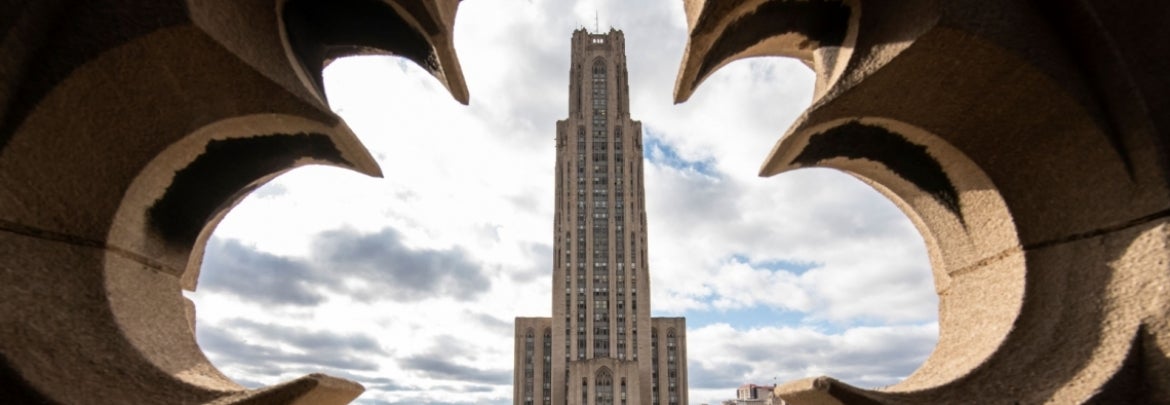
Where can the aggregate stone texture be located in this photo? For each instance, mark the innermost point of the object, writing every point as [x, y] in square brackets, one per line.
[1027, 141]
[128, 128]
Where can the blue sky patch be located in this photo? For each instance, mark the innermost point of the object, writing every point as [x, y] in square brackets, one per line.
[762, 316]
[791, 266]
[659, 152]
[744, 318]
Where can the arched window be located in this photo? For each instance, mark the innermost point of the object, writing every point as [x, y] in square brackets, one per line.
[604, 384]
[623, 390]
[584, 390]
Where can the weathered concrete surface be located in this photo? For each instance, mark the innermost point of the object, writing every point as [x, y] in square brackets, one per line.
[1027, 142]
[128, 128]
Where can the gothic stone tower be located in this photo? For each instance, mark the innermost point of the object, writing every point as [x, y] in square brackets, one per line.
[601, 346]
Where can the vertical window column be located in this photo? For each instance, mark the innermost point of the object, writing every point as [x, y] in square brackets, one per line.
[672, 367]
[529, 375]
[623, 391]
[546, 369]
[599, 194]
[654, 366]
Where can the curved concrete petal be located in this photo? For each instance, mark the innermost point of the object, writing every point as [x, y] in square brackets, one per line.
[129, 129]
[1023, 142]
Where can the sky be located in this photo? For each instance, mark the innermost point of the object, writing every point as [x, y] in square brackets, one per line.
[409, 283]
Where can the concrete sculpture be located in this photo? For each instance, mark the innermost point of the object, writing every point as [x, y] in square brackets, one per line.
[1027, 141]
[127, 130]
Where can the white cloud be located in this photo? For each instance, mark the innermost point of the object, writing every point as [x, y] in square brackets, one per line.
[844, 268]
[721, 355]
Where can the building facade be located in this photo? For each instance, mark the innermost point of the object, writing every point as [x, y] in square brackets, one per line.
[600, 346]
[752, 394]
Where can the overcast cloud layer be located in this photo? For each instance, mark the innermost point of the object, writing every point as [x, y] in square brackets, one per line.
[409, 284]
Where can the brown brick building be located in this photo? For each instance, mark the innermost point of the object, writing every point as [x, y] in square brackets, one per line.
[600, 346]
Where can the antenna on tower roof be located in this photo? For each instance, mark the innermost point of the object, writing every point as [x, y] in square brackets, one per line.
[596, 22]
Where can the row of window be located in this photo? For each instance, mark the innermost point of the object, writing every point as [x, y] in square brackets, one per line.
[529, 348]
[601, 213]
[600, 210]
[603, 389]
